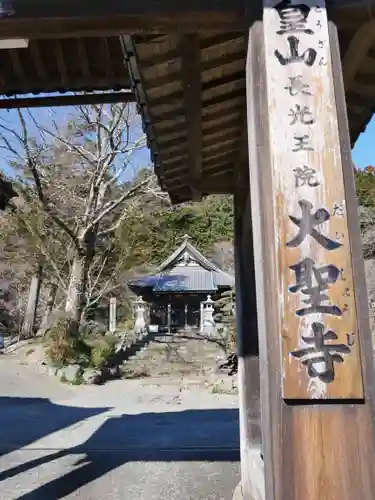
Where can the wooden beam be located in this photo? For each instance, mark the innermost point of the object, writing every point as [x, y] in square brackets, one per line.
[59, 18]
[252, 476]
[56, 18]
[66, 100]
[192, 93]
[307, 407]
[20, 9]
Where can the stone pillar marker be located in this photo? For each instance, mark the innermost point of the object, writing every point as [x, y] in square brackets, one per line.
[112, 314]
[186, 315]
[316, 367]
[169, 317]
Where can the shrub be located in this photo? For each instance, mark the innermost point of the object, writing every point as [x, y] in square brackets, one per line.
[60, 345]
[63, 347]
[101, 353]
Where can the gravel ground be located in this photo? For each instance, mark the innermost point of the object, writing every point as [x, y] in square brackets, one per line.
[133, 439]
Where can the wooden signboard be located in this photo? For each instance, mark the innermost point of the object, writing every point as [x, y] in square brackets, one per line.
[317, 310]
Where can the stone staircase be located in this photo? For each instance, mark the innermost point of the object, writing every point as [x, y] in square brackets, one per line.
[179, 353]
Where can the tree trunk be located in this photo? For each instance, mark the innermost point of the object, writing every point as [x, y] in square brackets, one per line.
[75, 301]
[77, 284]
[32, 304]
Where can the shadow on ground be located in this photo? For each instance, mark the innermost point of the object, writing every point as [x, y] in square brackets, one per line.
[25, 420]
[193, 435]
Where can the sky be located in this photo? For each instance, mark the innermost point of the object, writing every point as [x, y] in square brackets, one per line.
[61, 115]
[364, 150]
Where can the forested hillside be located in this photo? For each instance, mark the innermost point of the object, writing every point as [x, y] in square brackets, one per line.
[150, 236]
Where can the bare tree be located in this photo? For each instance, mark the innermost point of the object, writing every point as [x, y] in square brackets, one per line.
[82, 177]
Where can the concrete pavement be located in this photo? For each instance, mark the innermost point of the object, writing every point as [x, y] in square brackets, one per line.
[126, 440]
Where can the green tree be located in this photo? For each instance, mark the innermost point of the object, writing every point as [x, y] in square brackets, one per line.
[148, 236]
[365, 184]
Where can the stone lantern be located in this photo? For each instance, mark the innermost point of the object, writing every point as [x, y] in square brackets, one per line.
[208, 325]
[140, 316]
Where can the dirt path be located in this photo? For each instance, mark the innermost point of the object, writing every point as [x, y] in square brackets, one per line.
[129, 439]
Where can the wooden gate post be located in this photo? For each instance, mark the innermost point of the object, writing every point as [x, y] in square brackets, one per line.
[316, 366]
[252, 475]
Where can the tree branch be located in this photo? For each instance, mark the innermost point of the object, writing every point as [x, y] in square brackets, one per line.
[38, 184]
[114, 204]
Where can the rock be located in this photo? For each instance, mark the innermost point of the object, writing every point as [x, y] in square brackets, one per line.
[69, 373]
[92, 377]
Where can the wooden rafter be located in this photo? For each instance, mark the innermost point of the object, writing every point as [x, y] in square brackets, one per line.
[219, 152]
[192, 92]
[37, 60]
[222, 61]
[238, 76]
[224, 136]
[83, 59]
[215, 130]
[216, 122]
[61, 62]
[218, 41]
[211, 102]
[106, 53]
[17, 65]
